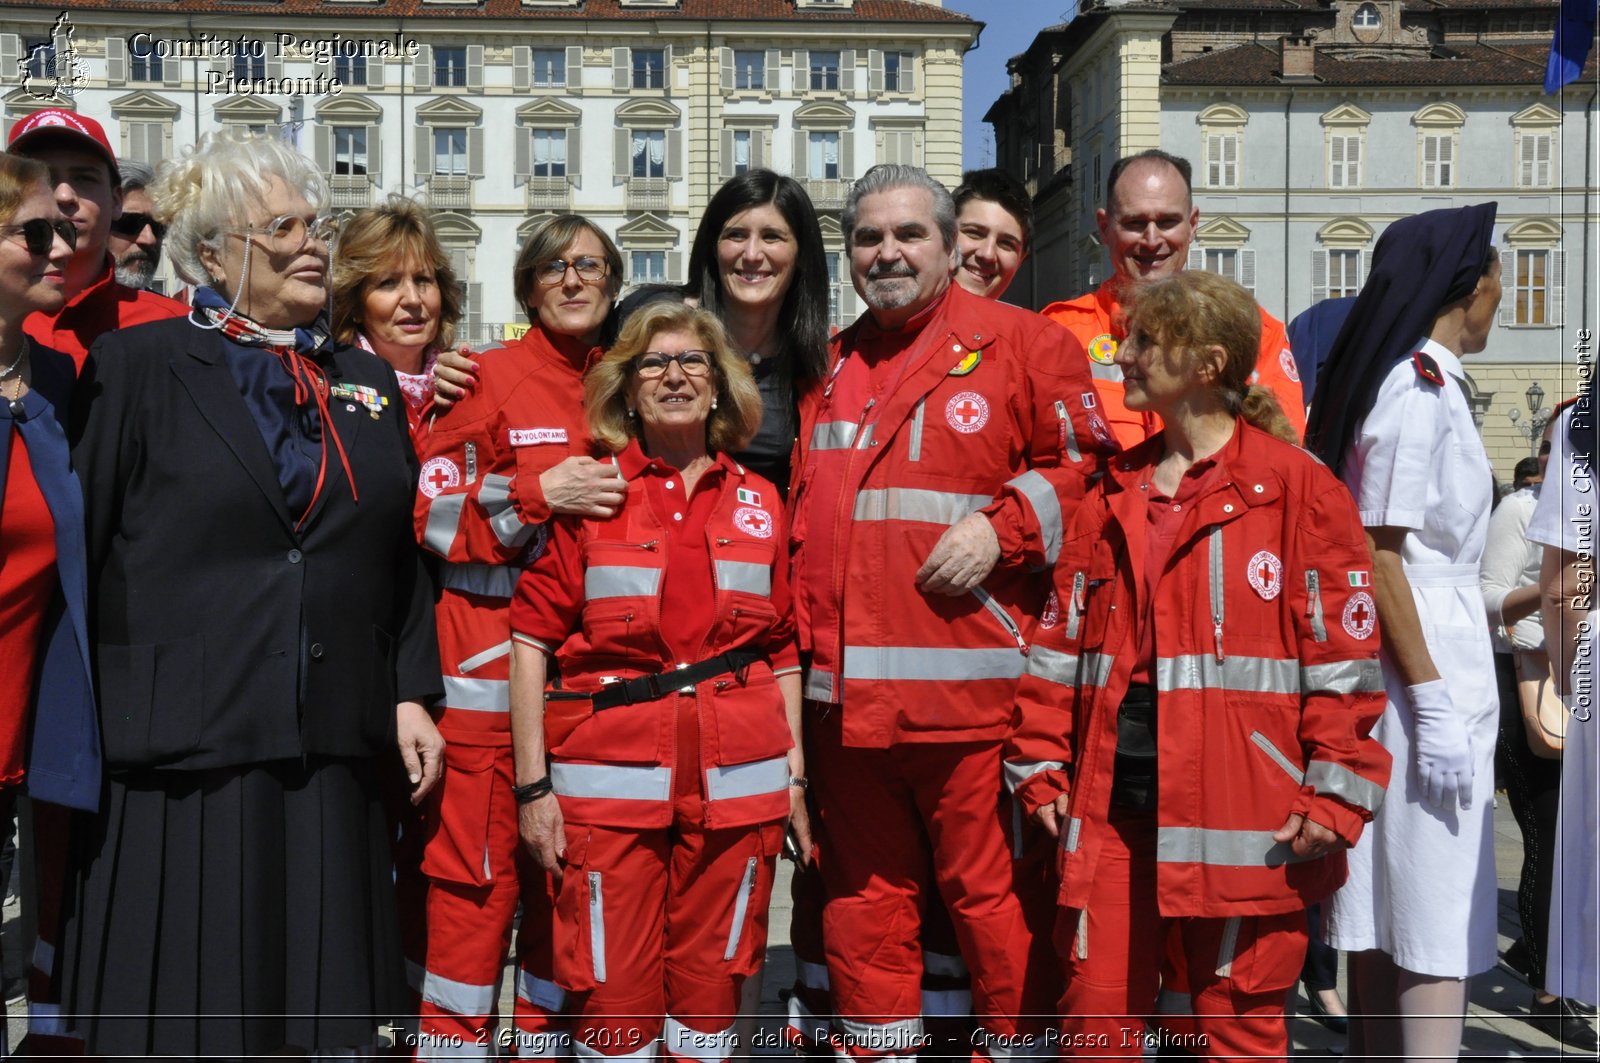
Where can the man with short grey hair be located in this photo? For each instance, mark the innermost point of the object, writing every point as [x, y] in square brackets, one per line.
[938, 467]
[135, 240]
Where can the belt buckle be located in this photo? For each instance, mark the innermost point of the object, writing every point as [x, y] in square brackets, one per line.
[686, 689]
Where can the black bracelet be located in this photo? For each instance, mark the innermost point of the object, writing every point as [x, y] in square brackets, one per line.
[528, 793]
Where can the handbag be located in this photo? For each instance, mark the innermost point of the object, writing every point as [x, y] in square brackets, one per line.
[1544, 718]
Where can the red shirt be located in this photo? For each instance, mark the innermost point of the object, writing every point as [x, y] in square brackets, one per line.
[1166, 517]
[99, 308]
[27, 580]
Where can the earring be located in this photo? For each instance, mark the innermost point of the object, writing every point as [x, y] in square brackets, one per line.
[632, 413]
[713, 404]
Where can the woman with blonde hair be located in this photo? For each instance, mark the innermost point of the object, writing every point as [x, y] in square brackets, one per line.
[656, 776]
[1193, 721]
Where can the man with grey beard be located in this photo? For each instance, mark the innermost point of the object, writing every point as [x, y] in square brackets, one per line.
[938, 467]
[135, 240]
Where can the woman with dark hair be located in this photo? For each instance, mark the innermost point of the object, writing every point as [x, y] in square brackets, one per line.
[1418, 914]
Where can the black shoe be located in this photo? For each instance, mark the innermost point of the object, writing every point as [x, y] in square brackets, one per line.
[1335, 1024]
[1557, 1019]
[1517, 960]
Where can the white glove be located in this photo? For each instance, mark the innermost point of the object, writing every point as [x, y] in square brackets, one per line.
[1443, 746]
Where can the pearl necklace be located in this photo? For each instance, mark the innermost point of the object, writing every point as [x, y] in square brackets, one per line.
[10, 373]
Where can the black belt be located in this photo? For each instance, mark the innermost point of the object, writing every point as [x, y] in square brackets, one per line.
[648, 688]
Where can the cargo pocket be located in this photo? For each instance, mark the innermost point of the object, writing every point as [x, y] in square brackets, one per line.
[747, 927]
[1261, 955]
[579, 934]
[457, 847]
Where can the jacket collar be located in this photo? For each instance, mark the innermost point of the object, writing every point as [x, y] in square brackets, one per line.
[1245, 466]
[634, 463]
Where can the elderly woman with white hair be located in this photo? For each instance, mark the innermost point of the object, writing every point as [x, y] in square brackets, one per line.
[262, 639]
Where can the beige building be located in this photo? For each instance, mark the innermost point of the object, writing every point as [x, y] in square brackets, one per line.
[501, 112]
[1312, 126]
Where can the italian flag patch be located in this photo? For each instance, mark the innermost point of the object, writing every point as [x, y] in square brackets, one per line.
[1360, 579]
[748, 497]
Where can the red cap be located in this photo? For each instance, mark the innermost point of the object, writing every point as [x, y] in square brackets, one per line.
[54, 122]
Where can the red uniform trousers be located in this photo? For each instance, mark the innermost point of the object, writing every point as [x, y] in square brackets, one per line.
[881, 810]
[657, 929]
[477, 873]
[1114, 953]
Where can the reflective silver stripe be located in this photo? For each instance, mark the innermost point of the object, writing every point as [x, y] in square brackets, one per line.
[597, 924]
[864, 440]
[1344, 677]
[611, 782]
[1018, 772]
[947, 1003]
[1265, 745]
[458, 998]
[491, 581]
[747, 780]
[914, 453]
[833, 435]
[932, 664]
[620, 581]
[46, 1019]
[1328, 778]
[878, 1038]
[444, 520]
[1080, 583]
[504, 520]
[1216, 586]
[540, 992]
[478, 660]
[1074, 827]
[1250, 675]
[495, 494]
[44, 956]
[943, 964]
[1053, 665]
[1319, 629]
[529, 640]
[1071, 436]
[1221, 848]
[819, 685]
[741, 908]
[1097, 669]
[1230, 941]
[1046, 507]
[744, 576]
[804, 1024]
[478, 695]
[812, 975]
[693, 1044]
[510, 530]
[1081, 939]
[910, 503]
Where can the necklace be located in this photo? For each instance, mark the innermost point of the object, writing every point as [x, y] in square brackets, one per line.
[12, 368]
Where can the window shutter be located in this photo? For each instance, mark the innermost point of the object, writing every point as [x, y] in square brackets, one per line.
[847, 71]
[375, 155]
[474, 66]
[875, 72]
[622, 164]
[908, 72]
[475, 313]
[675, 154]
[674, 267]
[1447, 153]
[1366, 263]
[1197, 257]
[727, 154]
[1541, 159]
[522, 153]
[424, 149]
[171, 72]
[422, 67]
[847, 154]
[802, 159]
[322, 146]
[1508, 287]
[770, 80]
[10, 53]
[474, 151]
[375, 69]
[1230, 160]
[726, 58]
[758, 149]
[274, 62]
[1336, 162]
[521, 67]
[1352, 153]
[574, 157]
[802, 70]
[1555, 301]
[574, 69]
[116, 60]
[1319, 275]
[1525, 152]
[1213, 161]
[621, 71]
[1247, 268]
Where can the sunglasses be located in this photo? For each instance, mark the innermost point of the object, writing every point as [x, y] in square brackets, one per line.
[132, 223]
[39, 234]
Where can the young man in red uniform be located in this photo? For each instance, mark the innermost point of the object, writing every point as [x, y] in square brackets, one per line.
[1146, 226]
[912, 584]
[84, 179]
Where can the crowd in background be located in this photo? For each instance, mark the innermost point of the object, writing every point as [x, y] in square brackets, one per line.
[1097, 686]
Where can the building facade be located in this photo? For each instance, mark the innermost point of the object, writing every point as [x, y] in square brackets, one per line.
[503, 112]
[1312, 126]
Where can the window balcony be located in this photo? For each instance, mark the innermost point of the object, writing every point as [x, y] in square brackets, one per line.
[647, 193]
[549, 194]
[349, 191]
[450, 193]
[826, 193]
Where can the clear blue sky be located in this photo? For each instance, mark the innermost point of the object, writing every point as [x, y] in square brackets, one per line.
[1010, 27]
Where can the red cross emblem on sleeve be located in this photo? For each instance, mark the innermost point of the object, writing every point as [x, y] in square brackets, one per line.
[1360, 615]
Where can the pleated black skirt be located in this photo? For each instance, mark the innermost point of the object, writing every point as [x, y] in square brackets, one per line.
[234, 912]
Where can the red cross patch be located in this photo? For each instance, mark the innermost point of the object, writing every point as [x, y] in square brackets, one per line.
[438, 474]
[1051, 615]
[1286, 361]
[1266, 574]
[967, 412]
[1360, 615]
[753, 521]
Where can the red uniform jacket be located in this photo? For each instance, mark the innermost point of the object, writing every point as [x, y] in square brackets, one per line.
[99, 308]
[1267, 679]
[480, 507]
[593, 601]
[1096, 319]
[990, 394]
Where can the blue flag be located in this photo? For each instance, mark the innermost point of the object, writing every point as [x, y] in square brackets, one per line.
[1569, 49]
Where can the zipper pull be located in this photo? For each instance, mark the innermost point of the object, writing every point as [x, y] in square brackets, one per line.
[1217, 632]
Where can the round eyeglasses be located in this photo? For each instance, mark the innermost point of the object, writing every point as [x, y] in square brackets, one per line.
[588, 270]
[652, 364]
[289, 233]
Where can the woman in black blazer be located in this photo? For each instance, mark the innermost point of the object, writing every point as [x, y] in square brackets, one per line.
[263, 635]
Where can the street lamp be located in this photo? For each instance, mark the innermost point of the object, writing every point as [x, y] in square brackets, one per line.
[1537, 417]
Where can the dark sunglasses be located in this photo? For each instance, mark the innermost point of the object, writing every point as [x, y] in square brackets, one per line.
[39, 234]
[132, 223]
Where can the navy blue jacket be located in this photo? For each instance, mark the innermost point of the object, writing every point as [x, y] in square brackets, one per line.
[63, 764]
